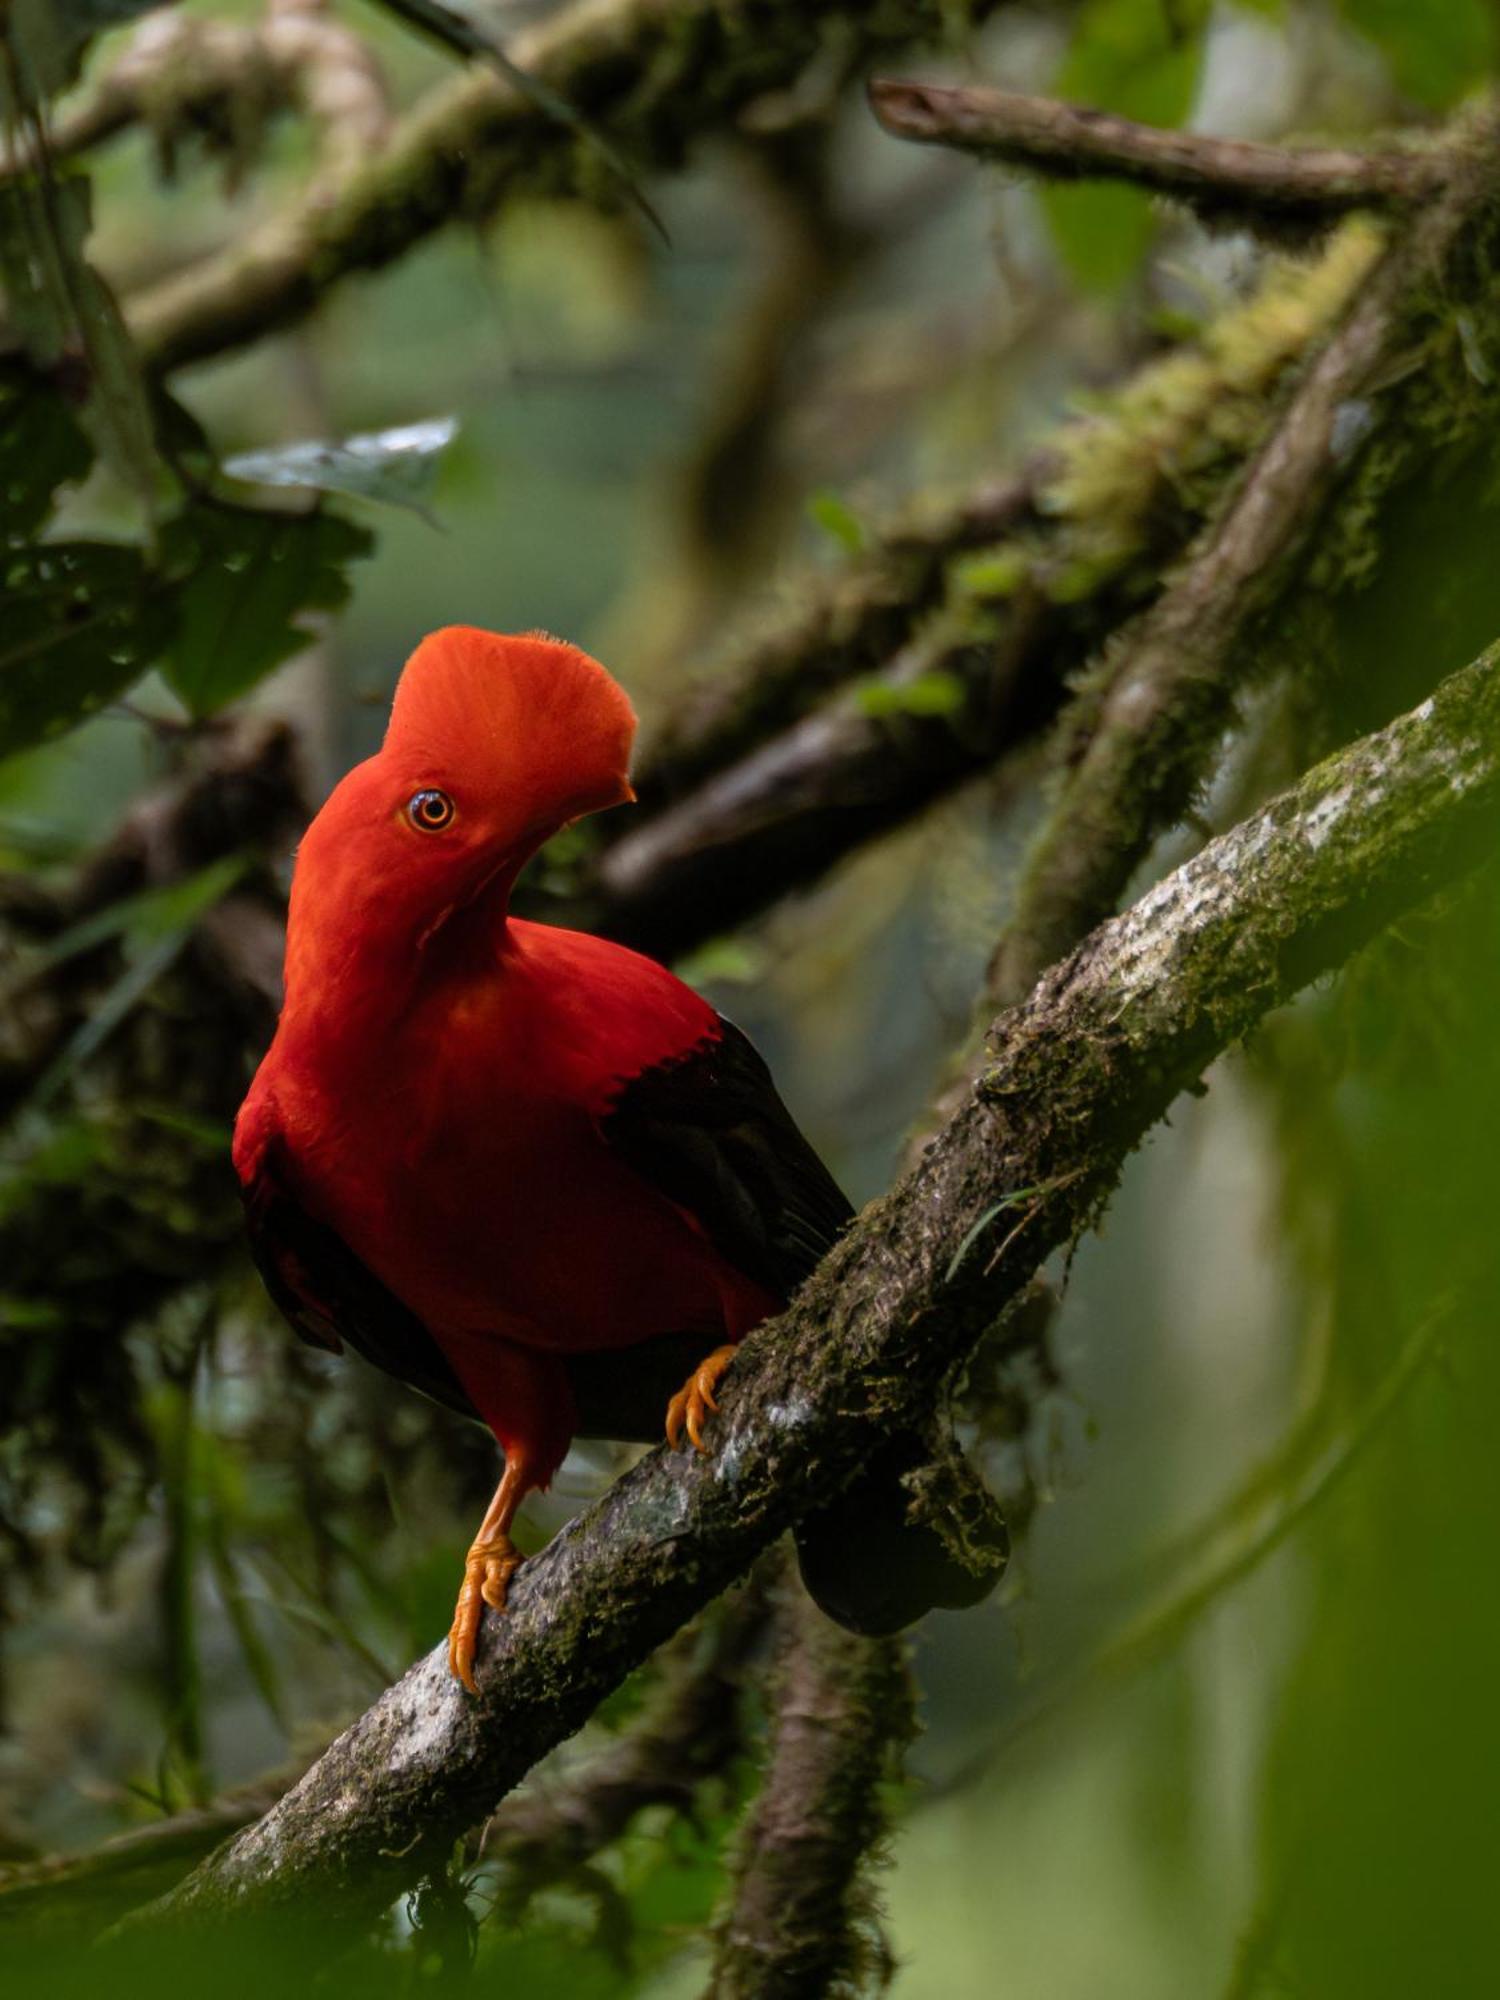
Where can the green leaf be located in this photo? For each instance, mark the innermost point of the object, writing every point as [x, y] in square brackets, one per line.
[41, 448]
[82, 621]
[833, 514]
[150, 914]
[1437, 51]
[246, 580]
[397, 466]
[994, 573]
[157, 924]
[935, 693]
[1140, 58]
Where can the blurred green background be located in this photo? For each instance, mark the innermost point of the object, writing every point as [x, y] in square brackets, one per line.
[1232, 1728]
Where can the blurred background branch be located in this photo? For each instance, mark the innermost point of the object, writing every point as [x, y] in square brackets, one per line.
[801, 1916]
[220, 83]
[650, 75]
[1225, 181]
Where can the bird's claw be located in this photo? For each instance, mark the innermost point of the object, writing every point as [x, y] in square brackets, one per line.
[488, 1569]
[690, 1408]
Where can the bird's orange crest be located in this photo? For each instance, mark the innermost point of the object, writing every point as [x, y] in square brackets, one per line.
[523, 714]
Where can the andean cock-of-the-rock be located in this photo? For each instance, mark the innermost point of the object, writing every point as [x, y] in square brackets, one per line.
[521, 1168]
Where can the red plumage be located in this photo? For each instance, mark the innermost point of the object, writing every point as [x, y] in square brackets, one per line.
[488, 1152]
[436, 1085]
[454, 1144]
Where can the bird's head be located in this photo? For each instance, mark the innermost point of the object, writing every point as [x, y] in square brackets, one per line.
[494, 743]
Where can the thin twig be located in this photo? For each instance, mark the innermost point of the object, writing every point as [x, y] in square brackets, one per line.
[1223, 180]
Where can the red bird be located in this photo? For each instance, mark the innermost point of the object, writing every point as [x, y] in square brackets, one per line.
[525, 1170]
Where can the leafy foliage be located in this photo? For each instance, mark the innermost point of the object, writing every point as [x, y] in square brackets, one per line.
[83, 621]
[41, 448]
[242, 579]
[64, 312]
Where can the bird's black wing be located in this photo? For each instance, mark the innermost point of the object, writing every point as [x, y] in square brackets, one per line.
[710, 1131]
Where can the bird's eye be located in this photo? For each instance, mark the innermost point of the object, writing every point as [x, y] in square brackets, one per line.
[431, 811]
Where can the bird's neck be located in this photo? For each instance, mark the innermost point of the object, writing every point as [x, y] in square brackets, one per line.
[354, 989]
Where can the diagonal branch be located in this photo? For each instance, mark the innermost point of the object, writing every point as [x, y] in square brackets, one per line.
[844, 622]
[1078, 1074]
[1223, 180]
[686, 1738]
[689, 1733]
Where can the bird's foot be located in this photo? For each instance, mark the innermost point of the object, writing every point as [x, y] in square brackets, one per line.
[689, 1408]
[488, 1569]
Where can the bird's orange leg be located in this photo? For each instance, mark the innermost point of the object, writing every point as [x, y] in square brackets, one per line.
[492, 1561]
[690, 1407]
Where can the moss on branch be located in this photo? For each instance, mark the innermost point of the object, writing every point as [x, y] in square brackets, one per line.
[994, 599]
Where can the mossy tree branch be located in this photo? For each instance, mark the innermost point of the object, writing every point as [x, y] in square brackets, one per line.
[838, 624]
[1083, 539]
[1147, 732]
[1077, 1074]
[686, 1738]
